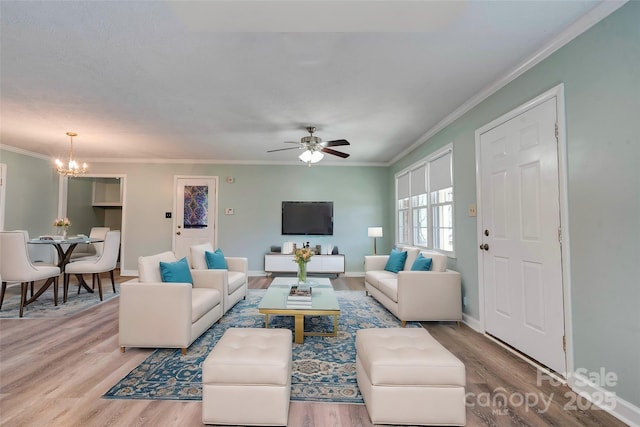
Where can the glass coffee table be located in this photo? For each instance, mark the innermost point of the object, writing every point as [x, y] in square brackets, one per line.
[323, 303]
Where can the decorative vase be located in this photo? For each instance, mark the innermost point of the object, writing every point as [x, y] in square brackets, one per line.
[302, 272]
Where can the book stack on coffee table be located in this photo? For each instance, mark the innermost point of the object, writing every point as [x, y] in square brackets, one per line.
[299, 297]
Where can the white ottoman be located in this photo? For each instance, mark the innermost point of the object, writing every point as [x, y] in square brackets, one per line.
[407, 377]
[246, 379]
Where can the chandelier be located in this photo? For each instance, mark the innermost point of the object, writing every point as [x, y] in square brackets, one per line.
[72, 168]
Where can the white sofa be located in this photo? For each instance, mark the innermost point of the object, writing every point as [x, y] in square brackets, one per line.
[167, 315]
[234, 280]
[415, 295]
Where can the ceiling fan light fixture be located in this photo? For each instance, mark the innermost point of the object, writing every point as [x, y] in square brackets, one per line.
[309, 156]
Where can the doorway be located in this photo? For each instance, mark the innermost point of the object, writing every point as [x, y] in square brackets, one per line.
[94, 200]
[195, 212]
[520, 186]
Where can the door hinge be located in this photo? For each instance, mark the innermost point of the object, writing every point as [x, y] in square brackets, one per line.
[560, 235]
[556, 131]
[564, 343]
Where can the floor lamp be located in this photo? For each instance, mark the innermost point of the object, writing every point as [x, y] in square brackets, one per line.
[374, 232]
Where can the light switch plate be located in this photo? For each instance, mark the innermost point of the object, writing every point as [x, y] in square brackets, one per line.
[228, 211]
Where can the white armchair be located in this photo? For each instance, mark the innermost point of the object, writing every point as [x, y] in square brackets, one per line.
[167, 315]
[234, 279]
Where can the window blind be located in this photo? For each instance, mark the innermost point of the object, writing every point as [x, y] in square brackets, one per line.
[440, 172]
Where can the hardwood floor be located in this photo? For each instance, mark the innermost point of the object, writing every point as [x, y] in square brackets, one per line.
[53, 372]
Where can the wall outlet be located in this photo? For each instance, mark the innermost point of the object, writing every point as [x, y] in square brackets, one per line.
[228, 211]
[472, 210]
[167, 215]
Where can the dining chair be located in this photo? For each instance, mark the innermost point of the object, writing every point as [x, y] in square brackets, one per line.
[16, 266]
[84, 251]
[107, 262]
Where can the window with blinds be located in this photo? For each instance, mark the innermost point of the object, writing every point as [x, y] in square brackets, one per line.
[424, 202]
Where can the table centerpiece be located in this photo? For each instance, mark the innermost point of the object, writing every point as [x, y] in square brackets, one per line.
[61, 224]
[301, 257]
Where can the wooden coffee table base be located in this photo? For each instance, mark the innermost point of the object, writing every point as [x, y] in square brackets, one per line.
[299, 332]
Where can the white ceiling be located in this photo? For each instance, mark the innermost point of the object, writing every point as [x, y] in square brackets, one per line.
[227, 81]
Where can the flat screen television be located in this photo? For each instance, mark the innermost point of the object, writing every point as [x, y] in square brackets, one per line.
[307, 218]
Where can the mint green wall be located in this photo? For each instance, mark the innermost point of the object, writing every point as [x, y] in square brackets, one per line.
[359, 195]
[31, 193]
[601, 73]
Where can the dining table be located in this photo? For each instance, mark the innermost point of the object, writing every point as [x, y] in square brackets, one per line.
[64, 247]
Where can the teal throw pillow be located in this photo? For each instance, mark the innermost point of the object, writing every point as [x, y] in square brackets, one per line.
[421, 264]
[215, 260]
[176, 272]
[396, 261]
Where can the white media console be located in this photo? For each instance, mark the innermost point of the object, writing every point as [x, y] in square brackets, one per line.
[284, 263]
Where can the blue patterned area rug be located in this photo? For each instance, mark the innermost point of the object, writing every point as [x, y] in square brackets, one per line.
[324, 368]
[44, 308]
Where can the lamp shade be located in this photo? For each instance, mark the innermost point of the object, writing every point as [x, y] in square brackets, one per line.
[374, 231]
[309, 156]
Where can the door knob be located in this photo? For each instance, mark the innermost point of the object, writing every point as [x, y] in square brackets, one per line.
[178, 233]
[486, 233]
[484, 247]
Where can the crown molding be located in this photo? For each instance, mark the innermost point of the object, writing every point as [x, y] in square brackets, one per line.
[24, 152]
[587, 21]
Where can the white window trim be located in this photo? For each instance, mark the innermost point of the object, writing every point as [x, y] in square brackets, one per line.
[424, 161]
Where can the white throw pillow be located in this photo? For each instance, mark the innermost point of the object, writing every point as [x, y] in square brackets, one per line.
[438, 260]
[198, 261]
[149, 266]
[412, 254]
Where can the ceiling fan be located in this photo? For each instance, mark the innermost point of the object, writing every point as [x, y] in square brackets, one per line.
[314, 147]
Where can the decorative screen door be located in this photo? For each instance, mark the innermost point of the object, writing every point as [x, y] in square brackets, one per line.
[195, 213]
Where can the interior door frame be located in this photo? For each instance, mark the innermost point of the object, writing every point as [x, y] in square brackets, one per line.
[558, 93]
[63, 191]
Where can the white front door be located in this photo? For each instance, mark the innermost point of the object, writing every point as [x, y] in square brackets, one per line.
[520, 246]
[196, 202]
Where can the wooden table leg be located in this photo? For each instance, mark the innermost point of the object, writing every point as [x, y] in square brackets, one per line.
[266, 320]
[299, 330]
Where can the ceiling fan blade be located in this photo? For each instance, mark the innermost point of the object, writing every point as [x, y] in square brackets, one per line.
[291, 142]
[335, 153]
[282, 149]
[337, 142]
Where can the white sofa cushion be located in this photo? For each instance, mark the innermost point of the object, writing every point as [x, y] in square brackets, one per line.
[236, 280]
[438, 260]
[149, 266]
[202, 300]
[389, 287]
[196, 253]
[374, 277]
[412, 254]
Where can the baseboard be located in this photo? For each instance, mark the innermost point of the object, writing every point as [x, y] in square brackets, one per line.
[472, 322]
[129, 273]
[605, 400]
